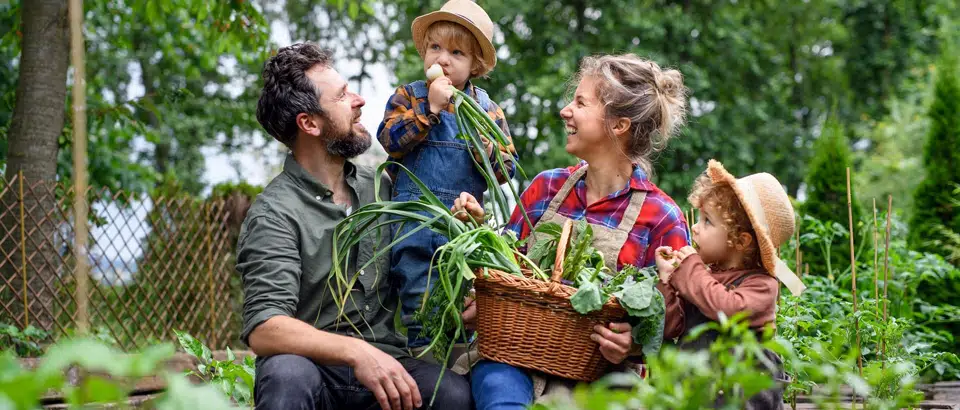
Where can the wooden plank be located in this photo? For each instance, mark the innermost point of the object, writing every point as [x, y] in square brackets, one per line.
[925, 405]
[136, 402]
[178, 364]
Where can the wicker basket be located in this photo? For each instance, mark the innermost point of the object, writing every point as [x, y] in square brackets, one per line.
[531, 324]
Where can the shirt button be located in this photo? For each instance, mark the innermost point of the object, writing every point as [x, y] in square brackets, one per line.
[319, 198]
[366, 307]
[362, 272]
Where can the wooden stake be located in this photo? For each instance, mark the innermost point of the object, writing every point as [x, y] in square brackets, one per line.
[23, 254]
[853, 271]
[80, 206]
[886, 278]
[876, 258]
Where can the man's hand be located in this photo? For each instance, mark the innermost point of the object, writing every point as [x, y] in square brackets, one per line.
[466, 207]
[615, 341]
[440, 94]
[390, 383]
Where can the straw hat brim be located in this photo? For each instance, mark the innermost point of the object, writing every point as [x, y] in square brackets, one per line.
[751, 202]
[420, 25]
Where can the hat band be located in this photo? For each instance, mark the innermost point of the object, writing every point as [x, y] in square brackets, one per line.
[753, 202]
[465, 18]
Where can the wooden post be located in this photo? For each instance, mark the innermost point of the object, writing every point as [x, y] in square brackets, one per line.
[23, 254]
[80, 206]
[853, 271]
[876, 258]
[210, 278]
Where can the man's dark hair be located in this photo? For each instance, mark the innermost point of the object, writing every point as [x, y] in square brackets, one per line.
[287, 91]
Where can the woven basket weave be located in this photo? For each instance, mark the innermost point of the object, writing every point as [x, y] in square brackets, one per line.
[531, 324]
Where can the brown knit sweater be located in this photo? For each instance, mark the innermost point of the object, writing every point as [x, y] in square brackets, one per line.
[693, 283]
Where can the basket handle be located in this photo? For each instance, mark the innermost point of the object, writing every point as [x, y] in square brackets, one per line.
[562, 244]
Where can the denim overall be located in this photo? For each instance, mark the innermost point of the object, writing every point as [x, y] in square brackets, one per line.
[445, 165]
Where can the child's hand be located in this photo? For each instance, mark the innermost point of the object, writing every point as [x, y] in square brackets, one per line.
[466, 208]
[440, 94]
[684, 252]
[487, 148]
[469, 314]
[667, 262]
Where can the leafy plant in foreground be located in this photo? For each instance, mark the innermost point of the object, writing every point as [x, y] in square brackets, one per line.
[234, 380]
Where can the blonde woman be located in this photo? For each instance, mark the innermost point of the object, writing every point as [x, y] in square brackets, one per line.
[625, 109]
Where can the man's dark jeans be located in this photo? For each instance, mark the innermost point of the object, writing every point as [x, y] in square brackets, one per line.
[294, 382]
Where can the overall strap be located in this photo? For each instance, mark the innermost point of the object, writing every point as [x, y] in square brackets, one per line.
[483, 98]
[736, 282]
[418, 89]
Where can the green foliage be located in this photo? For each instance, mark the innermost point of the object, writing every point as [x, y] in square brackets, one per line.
[934, 198]
[235, 380]
[22, 389]
[827, 198]
[584, 268]
[758, 98]
[921, 303]
[23, 343]
[224, 190]
[892, 164]
[734, 367]
[197, 63]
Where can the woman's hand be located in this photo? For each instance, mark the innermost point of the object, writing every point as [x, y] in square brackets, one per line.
[467, 208]
[615, 341]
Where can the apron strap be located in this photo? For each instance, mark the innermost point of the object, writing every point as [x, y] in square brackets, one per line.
[633, 211]
[568, 185]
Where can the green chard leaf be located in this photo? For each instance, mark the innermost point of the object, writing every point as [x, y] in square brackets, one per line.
[588, 298]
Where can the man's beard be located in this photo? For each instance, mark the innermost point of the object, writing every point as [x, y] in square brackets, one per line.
[345, 141]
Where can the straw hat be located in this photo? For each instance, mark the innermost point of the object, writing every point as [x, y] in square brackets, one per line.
[465, 13]
[771, 215]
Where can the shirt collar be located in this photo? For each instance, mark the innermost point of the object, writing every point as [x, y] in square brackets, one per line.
[638, 181]
[308, 182]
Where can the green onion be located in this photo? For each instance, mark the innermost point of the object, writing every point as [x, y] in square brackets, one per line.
[472, 246]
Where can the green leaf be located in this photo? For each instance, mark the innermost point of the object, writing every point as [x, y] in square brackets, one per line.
[353, 9]
[367, 7]
[181, 394]
[636, 296]
[100, 390]
[649, 331]
[587, 299]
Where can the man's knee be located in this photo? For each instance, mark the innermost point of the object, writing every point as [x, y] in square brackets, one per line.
[287, 382]
[454, 390]
[454, 393]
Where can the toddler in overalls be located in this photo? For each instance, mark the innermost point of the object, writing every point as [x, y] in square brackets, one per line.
[735, 268]
[419, 130]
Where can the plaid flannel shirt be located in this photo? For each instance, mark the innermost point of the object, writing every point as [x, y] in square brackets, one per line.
[660, 222]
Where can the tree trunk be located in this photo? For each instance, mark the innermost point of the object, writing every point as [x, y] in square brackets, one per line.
[35, 129]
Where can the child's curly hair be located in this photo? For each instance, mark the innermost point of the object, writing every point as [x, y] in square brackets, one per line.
[724, 200]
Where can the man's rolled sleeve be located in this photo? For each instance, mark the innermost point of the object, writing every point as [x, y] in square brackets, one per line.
[268, 260]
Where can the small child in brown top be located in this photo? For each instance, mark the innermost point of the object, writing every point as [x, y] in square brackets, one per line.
[735, 268]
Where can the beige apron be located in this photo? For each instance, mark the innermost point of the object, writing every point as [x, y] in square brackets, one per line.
[608, 241]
